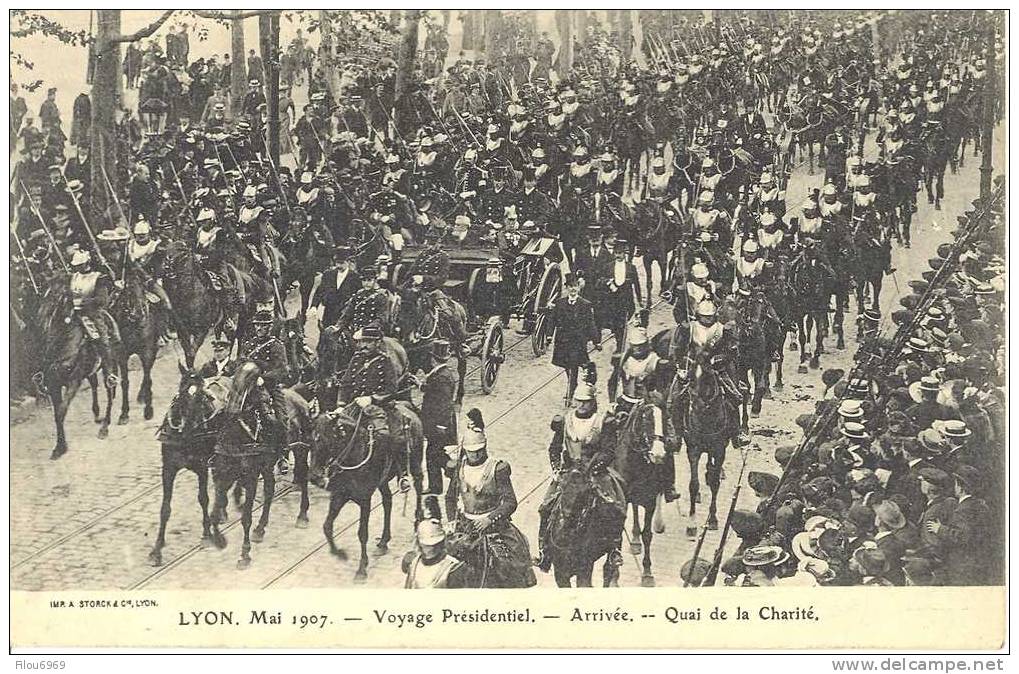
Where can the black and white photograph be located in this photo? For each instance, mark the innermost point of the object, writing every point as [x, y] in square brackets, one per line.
[379, 299]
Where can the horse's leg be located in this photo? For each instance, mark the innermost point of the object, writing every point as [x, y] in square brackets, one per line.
[562, 577]
[876, 282]
[648, 263]
[146, 390]
[111, 394]
[361, 574]
[940, 188]
[169, 475]
[585, 573]
[610, 571]
[54, 389]
[840, 319]
[819, 320]
[250, 485]
[760, 386]
[802, 333]
[93, 383]
[694, 459]
[647, 578]
[268, 491]
[635, 546]
[461, 374]
[125, 389]
[336, 503]
[221, 486]
[301, 471]
[382, 545]
[202, 471]
[713, 476]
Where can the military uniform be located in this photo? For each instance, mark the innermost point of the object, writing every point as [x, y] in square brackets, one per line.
[368, 305]
[438, 417]
[270, 355]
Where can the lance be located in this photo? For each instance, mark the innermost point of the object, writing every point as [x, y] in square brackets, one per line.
[464, 124]
[233, 186]
[88, 227]
[24, 256]
[187, 201]
[49, 234]
[276, 174]
[113, 193]
[696, 554]
[712, 575]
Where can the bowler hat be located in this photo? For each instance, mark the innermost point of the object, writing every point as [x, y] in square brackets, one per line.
[970, 478]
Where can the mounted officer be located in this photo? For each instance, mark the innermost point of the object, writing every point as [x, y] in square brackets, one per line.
[368, 305]
[577, 442]
[90, 303]
[269, 353]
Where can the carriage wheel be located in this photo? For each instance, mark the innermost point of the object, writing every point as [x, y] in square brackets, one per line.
[491, 354]
[549, 289]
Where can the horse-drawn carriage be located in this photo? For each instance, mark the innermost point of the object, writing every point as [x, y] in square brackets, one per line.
[516, 276]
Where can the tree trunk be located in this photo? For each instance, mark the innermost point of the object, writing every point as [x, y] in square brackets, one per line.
[327, 55]
[239, 69]
[409, 28]
[491, 34]
[105, 102]
[269, 37]
[564, 19]
[626, 35]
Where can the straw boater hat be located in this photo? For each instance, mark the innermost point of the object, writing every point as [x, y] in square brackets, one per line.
[764, 555]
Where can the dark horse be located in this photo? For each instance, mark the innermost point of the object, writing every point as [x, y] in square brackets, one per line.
[306, 255]
[188, 436]
[812, 281]
[583, 528]
[358, 460]
[754, 350]
[247, 448]
[140, 326]
[72, 357]
[707, 421]
[197, 309]
[640, 455]
[426, 316]
[656, 230]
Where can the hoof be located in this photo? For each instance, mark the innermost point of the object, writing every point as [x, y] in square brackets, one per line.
[691, 533]
[148, 414]
[243, 563]
[778, 386]
[57, 453]
[361, 576]
[381, 549]
[647, 580]
[302, 522]
[793, 347]
[802, 369]
[712, 525]
[219, 540]
[339, 554]
[258, 535]
[636, 548]
[122, 420]
[206, 541]
[103, 433]
[156, 558]
[841, 344]
[815, 363]
[98, 419]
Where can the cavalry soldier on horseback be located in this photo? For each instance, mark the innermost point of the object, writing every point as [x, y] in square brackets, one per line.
[368, 305]
[644, 377]
[481, 501]
[146, 258]
[209, 253]
[252, 230]
[90, 302]
[221, 364]
[269, 353]
[699, 288]
[431, 567]
[577, 441]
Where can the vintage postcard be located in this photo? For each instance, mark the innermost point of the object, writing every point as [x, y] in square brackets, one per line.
[529, 329]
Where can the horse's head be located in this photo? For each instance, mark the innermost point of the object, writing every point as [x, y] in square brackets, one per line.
[336, 439]
[240, 386]
[193, 406]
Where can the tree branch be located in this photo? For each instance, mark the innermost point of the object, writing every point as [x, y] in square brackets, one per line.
[147, 31]
[218, 15]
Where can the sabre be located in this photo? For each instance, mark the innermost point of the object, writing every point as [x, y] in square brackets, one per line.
[464, 124]
[24, 256]
[88, 227]
[49, 234]
[276, 174]
[233, 186]
[712, 575]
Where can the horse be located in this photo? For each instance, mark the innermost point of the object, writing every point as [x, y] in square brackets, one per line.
[640, 455]
[306, 255]
[335, 350]
[140, 328]
[71, 357]
[423, 317]
[246, 450]
[583, 528]
[302, 362]
[197, 309]
[656, 233]
[869, 270]
[811, 282]
[938, 151]
[753, 348]
[358, 461]
[187, 438]
[707, 421]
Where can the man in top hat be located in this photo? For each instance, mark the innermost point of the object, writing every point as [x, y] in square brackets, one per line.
[572, 316]
[622, 293]
[927, 409]
[337, 286]
[593, 262]
[578, 443]
[438, 412]
[221, 364]
[964, 535]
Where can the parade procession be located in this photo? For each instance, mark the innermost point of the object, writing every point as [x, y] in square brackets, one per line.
[507, 298]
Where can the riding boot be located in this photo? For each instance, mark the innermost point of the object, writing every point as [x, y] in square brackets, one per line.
[543, 560]
[669, 488]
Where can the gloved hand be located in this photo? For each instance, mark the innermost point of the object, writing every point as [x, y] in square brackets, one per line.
[363, 401]
[118, 284]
